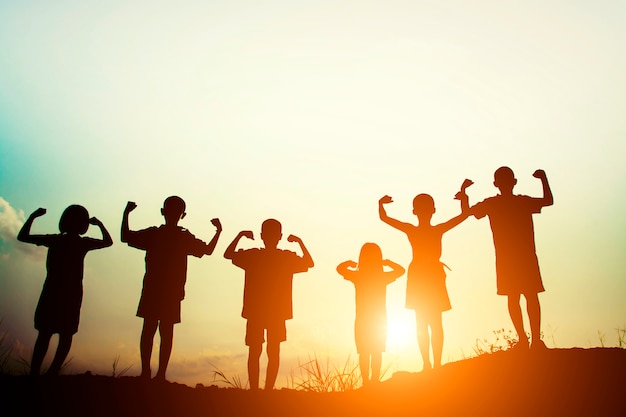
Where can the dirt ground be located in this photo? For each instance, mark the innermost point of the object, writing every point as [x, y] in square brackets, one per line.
[555, 382]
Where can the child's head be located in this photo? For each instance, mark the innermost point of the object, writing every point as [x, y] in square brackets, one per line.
[371, 257]
[173, 209]
[74, 220]
[423, 206]
[271, 232]
[504, 179]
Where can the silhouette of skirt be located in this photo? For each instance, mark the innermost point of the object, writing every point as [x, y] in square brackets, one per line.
[426, 291]
[370, 334]
[58, 309]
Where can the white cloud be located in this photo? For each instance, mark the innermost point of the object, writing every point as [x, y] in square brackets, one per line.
[11, 221]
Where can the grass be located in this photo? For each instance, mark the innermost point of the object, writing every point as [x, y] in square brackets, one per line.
[317, 376]
[115, 373]
[233, 382]
[504, 339]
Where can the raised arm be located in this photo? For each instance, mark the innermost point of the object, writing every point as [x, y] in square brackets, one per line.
[396, 269]
[547, 199]
[305, 253]
[382, 213]
[465, 209]
[106, 236]
[130, 206]
[24, 233]
[230, 250]
[346, 268]
[218, 230]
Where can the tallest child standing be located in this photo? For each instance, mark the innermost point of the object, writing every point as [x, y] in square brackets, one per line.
[167, 248]
[517, 268]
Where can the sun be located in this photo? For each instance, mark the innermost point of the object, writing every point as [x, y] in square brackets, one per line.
[400, 329]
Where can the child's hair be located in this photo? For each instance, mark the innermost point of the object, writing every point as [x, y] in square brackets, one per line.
[423, 202]
[371, 257]
[174, 204]
[75, 219]
[503, 173]
[272, 226]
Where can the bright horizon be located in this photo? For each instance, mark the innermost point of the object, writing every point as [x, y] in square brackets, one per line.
[310, 113]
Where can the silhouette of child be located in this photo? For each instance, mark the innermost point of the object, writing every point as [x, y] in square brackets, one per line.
[517, 267]
[167, 248]
[370, 325]
[267, 294]
[426, 291]
[58, 309]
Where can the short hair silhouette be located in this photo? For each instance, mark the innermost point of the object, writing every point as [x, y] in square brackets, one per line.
[75, 219]
[267, 295]
[167, 248]
[426, 291]
[517, 267]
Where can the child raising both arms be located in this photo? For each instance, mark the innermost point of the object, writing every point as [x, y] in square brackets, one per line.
[58, 309]
[370, 281]
[426, 291]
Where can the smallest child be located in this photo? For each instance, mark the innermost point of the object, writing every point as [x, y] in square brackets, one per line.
[370, 281]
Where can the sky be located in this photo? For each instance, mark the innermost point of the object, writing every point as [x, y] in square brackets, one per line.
[309, 112]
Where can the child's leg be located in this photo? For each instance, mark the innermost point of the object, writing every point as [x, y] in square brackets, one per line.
[515, 311]
[166, 333]
[39, 352]
[65, 343]
[436, 338]
[364, 366]
[377, 360]
[534, 315]
[254, 356]
[273, 360]
[145, 345]
[423, 339]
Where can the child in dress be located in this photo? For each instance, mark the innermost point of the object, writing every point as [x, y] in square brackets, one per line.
[426, 291]
[370, 281]
[58, 309]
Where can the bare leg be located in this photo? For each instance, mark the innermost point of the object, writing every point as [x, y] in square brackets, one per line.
[166, 333]
[39, 352]
[423, 340]
[364, 366]
[145, 346]
[273, 360]
[254, 355]
[377, 360]
[515, 311]
[65, 343]
[436, 338]
[534, 316]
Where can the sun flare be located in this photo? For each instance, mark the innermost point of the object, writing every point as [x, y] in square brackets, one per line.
[400, 330]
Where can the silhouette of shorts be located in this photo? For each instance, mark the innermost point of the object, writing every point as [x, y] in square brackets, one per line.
[276, 332]
[155, 308]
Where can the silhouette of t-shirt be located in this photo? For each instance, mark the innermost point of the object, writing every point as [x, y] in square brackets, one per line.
[510, 217]
[58, 309]
[267, 291]
[166, 249]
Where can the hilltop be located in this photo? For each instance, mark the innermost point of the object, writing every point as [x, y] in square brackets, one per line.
[568, 382]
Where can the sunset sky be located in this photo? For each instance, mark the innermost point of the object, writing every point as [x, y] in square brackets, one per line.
[309, 112]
